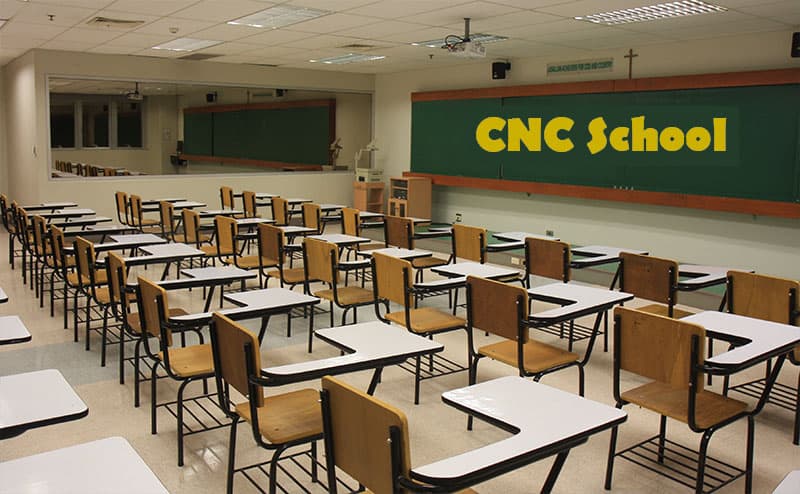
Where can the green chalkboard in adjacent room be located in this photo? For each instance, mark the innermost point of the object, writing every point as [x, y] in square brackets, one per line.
[198, 133]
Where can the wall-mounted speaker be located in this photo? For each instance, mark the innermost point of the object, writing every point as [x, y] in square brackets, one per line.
[796, 45]
[499, 69]
[211, 97]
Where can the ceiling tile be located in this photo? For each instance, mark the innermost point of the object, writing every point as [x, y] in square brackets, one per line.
[226, 32]
[378, 29]
[531, 4]
[786, 11]
[155, 7]
[43, 31]
[10, 7]
[331, 23]
[451, 15]
[217, 11]
[496, 25]
[166, 26]
[229, 48]
[59, 44]
[19, 42]
[325, 41]
[89, 4]
[113, 49]
[34, 13]
[139, 40]
[392, 9]
[161, 53]
[425, 34]
[93, 37]
[330, 5]
[275, 37]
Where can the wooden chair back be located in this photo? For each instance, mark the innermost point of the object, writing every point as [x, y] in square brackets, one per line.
[228, 341]
[117, 278]
[280, 211]
[191, 226]
[227, 230]
[270, 242]
[496, 307]
[226, 197]
[84, 260]
[249, 204]
[351, 223]
[649, 277]
[319, 260]
[469, 242]
[390, 273]
[763, 297]
[167, 211]
[151, 318]
[311, 216]
[357, 427]
[39, 236]
[657, 347]
[547, 258]
[57, 240]
[136, 209]
[8, 217]
[122, 207]
[399, 232]
[109, 172]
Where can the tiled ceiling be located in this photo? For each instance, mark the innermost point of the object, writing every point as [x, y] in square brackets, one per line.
[388, 26]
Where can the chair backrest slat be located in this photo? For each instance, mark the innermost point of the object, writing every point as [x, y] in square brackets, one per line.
[226, 197]
[229, 340]
[763, 297]
[148, 307]
[317, 259]
[547, 258]
[390, 272]
[122, 207]
[280, 211]
[191, 225]
[117, 278]
[350, 222]
[657, 347]
[226, 230]
[399, 232]
[270, 242]
[469, 242]
[249, 203]
[649, 277]
[495, 307]
[84, 255]
[360, 433]
[167, 211]
[311, 216]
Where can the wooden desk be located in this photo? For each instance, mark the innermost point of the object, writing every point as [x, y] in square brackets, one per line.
[369, 345]
[12, 331]
[97, 467]
[36, 399]
[545, 421]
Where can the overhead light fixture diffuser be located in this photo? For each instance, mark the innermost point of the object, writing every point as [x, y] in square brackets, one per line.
[279, 16]
[349, 58]
[186, 44]
[659, 11]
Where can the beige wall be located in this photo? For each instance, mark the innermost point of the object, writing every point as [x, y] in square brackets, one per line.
[3, 150]
[25, 95]
[766, 244]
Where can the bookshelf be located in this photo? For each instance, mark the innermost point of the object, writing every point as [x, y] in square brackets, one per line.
[368, 196]
[410, 196]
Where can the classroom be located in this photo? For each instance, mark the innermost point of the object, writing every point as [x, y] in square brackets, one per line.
[513, 125]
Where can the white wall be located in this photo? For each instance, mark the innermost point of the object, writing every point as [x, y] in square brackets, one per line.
[769, 245]
[26, 95]
[3, 150]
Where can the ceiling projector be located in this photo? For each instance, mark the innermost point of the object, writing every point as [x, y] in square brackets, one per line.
[467, 49]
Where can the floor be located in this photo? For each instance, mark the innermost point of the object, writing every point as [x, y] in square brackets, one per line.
[437, 430]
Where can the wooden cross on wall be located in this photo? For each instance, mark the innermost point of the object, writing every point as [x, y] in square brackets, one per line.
[630, 56]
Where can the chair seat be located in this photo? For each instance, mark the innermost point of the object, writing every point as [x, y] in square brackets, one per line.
[100, 278]
[663, 310]
[144, 222]
[287, 417]
[190, 361]
[370, 246]
[135, 322]
[209, 250]
[181, 239]
[291, 276]
[428, 320]
[711, 408]
[252, 262]
[349, 295]
[428, 262]
[538, 357]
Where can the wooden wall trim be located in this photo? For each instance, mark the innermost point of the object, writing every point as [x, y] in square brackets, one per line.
[262, 106]
[250, 162]
[711, 203]
[699, 81]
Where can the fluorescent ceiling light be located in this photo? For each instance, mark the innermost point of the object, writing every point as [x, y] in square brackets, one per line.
[186, 44]
[279, 16]
[349, 58]
[480, 38]
[654, 12]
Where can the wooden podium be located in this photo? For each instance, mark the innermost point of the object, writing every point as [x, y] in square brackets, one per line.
[410, 196]
[368, 196]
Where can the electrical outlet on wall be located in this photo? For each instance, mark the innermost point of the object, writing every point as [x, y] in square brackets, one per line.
[516, 261]
[458, 218]
[549, 233]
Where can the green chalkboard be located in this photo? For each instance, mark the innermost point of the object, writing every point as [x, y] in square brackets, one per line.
[287, 134]
[197, 133]
[759, 159]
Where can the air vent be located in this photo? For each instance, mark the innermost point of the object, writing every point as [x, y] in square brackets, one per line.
[110, 22]
[358, 46]
[199, 56]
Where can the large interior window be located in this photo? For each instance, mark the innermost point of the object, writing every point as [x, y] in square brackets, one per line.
[95, 121]
[62, 126]
[95, 125]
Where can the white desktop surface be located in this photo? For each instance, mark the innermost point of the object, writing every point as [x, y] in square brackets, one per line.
[13, 329]
[597, 253]
[704, 275]
[217, 272]
[579, 298]
[364, 215]
[543, 415]
[99, 467]
[3, 296]
[53, 398]
[188, 205]
[370, 342]
[294, 230]
[397, 252]
[475, 269]
[253, 221]
[137, 238]
[520, 236]
[790, 484]
[171, 250]
[340, 239]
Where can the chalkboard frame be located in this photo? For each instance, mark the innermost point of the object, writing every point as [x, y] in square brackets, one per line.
[715, 203]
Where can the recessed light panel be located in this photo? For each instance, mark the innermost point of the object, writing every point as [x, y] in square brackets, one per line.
[186, 44]
[479, 38]
[279, 16]
[349, 58]
[654, 12]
